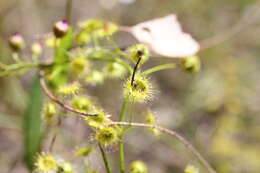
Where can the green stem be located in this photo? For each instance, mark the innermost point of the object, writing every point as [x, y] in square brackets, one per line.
[159, 68]
[118, 60]
[15, 67]
[123, 110]
[121, 143]
[108, 169]
[131, 114]
[122, 156]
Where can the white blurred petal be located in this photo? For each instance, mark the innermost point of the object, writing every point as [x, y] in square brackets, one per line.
[165, 37]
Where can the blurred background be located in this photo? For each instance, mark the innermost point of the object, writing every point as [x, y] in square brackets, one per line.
[216, 109]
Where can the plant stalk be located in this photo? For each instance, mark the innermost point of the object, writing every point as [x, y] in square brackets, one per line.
[159, 68]
[121, 143]
[108, 169]
[186, 143]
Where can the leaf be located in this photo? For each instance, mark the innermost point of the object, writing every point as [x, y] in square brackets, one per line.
[165, 37]
[32, 124]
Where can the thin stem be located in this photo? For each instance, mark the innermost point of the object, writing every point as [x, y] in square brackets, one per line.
[56, 100]
[132, 111]
[121, 143]
[118, 60]
[68, 11]
[123, 110]
[131, 114]
[15, 67]
[122, 155]
[135, 69]
[159, 68]
[108, 169]
[55, 135]
[186, 143]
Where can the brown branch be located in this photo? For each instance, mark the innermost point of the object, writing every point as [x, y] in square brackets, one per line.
[56, 100]
[172, 133]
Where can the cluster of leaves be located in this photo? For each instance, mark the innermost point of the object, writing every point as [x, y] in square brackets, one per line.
[75, 64]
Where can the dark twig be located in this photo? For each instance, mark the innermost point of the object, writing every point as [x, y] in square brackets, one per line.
[139, 53]
[172, 133]
[56, 100]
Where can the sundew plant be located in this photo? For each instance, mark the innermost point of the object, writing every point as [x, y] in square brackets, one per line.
[87, 54]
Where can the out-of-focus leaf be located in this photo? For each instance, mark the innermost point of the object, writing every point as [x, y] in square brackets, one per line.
[32, 124]
[165, 37]
[60, 69]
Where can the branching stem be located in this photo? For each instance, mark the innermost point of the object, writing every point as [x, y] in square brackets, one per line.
[186, 143]
[56, 100]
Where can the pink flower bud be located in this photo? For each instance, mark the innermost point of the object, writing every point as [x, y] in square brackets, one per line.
[16, 42]
[60, 28]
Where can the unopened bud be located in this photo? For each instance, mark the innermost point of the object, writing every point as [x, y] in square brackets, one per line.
[191, 64]
[60, 28]
[138, 167]
[36, 49]
[16, 42]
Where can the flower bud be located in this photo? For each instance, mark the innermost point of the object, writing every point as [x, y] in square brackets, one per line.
[139, 51]
[95, 77]
[82, 104]
[46, 163]
[83, 152]
[138, 167]
[151, 119]
[78, 66]
[107, 136]
[36, 49]
[69, 89]
[64, 167]
[99, 120]
[16, 42]
[191, 64]
[60, 28]
[115, 70]
[191, 169]
[140, 90]
[49, 112]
